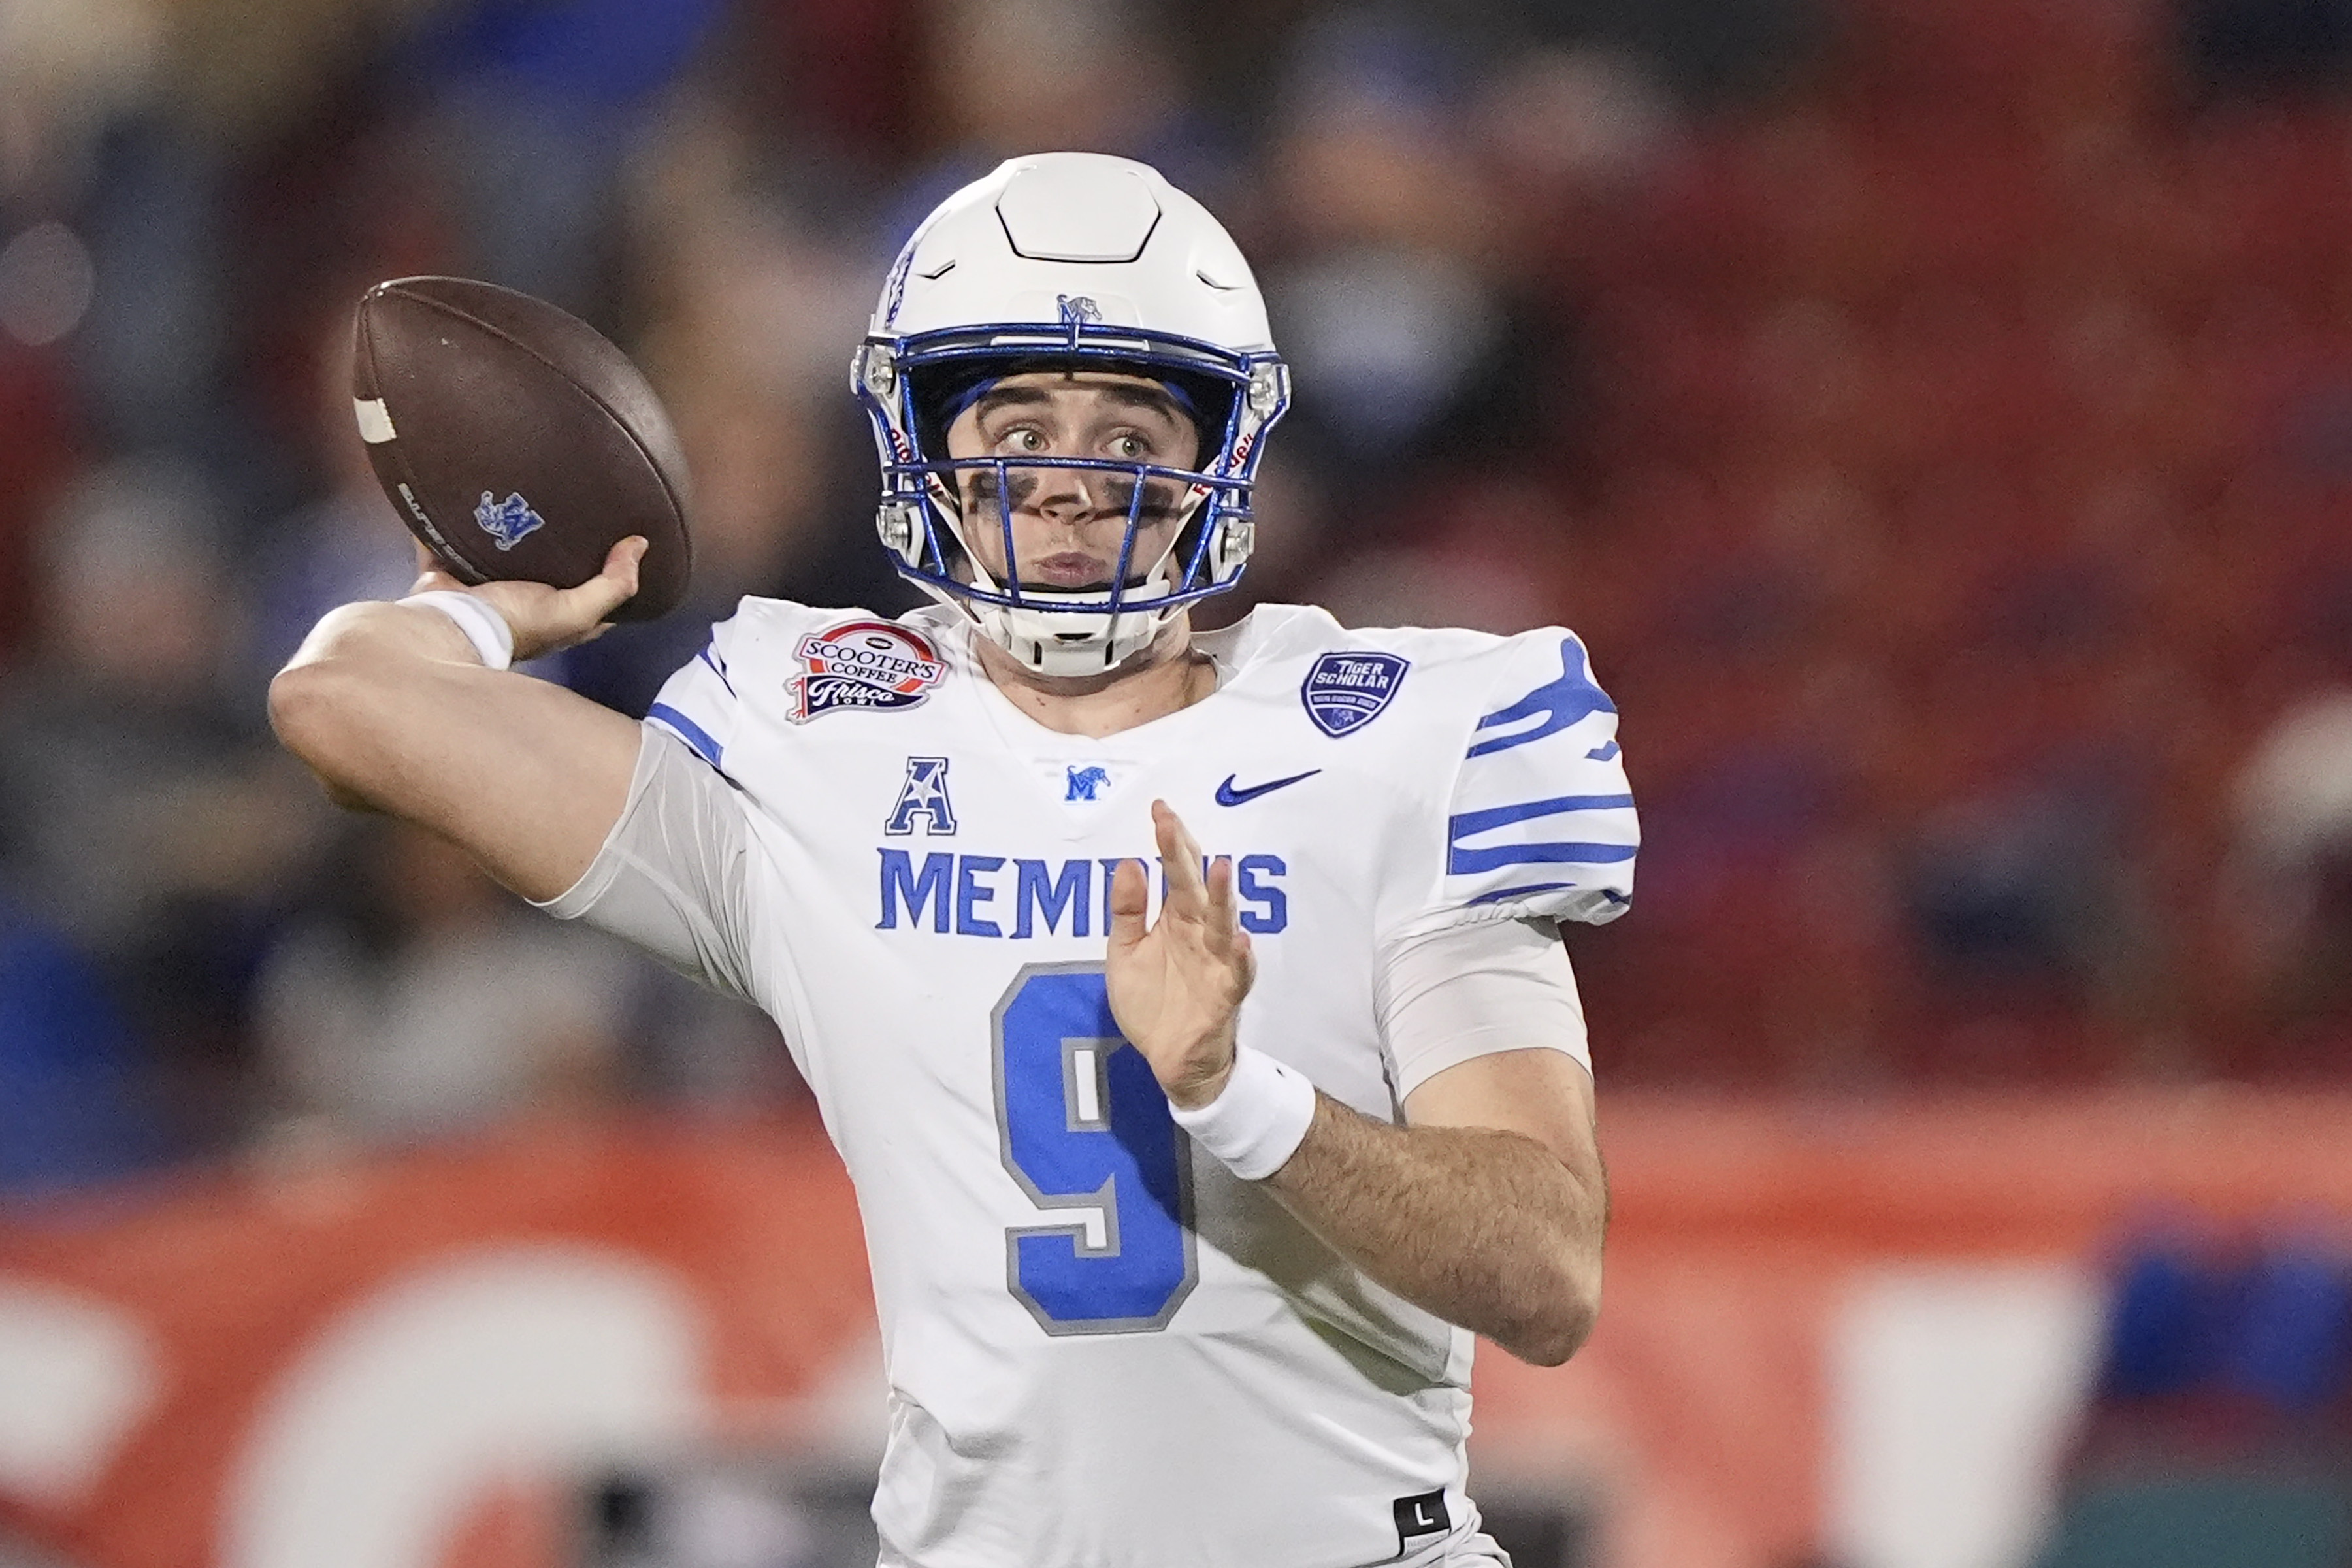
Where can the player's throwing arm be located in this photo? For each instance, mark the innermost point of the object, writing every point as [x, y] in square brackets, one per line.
[408, 709]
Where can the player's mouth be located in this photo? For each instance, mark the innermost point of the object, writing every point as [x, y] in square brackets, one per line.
[1071, 571]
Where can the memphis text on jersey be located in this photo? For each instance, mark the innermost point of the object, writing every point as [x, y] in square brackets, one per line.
[1009, 896]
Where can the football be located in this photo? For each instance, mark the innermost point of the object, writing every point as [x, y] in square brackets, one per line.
[515, 441]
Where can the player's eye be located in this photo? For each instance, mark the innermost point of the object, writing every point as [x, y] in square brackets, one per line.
[1024, 438]
[1130, 446]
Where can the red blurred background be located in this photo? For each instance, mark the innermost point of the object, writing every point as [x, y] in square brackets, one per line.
[1935, 414]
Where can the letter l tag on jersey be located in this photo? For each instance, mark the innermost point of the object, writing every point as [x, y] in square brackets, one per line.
[1418, 1516]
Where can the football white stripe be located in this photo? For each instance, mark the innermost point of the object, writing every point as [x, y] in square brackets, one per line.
[375, 420]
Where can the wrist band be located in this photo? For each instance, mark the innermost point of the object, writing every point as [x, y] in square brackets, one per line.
[1258, 1120]
[483, 626]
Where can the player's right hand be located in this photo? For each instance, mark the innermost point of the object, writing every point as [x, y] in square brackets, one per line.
[1176, 984]
[547, 619]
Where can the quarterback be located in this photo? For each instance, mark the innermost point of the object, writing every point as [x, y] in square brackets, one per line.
[1188, 1010]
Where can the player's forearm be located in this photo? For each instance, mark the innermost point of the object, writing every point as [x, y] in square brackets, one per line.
[1486, 1228]
[373, 631]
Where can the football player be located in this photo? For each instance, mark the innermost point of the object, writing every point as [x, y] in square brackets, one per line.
[1190, 1010]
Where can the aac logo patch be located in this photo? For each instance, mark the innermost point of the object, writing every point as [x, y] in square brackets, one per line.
[924, 794]
[506, 522]
[863, 664]
[1346, 691]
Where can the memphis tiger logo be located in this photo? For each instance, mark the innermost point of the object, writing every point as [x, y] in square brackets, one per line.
[506, 522]
[863, 664]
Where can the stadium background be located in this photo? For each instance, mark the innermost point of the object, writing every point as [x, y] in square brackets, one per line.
[1936, 415]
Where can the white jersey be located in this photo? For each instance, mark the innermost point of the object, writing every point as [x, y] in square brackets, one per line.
[1103, 1349]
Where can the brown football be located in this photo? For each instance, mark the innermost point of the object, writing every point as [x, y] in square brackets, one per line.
[515, 441]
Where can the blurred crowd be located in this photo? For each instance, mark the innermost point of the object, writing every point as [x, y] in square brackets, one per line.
[2218, 1425]
[1936, 415]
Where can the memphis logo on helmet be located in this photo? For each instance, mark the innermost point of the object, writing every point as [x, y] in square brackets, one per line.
[506, 522]
[863, 664]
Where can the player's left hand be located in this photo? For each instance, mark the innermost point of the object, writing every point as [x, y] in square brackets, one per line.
[1176, 988]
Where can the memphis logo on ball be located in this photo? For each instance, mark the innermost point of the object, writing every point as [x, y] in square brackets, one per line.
[506, 522]
[863, 664]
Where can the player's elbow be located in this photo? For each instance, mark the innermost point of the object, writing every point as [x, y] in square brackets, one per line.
[302, 703]
[316, 708]
[1555, 1326]
[1551, 1342]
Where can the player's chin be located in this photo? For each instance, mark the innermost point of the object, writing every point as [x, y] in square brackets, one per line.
[1138, 586]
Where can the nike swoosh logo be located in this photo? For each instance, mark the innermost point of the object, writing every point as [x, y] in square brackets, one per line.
[1228, 796]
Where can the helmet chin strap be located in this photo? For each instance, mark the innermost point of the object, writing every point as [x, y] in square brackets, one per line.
[1069, 642]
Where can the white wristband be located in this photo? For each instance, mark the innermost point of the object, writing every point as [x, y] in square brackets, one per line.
[1258, 1120]
[483, 626]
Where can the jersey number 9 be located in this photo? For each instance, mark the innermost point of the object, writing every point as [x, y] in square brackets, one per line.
[1084, 1127]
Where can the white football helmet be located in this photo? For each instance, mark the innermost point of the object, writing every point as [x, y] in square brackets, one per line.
[1062, 261]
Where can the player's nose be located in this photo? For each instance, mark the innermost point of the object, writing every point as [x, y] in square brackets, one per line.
[1067, 495]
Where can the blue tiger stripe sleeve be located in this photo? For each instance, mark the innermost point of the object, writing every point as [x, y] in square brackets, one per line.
[1541, 820]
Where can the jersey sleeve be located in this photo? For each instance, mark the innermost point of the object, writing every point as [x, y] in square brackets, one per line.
[673, 876]
[698, 704]
[1540, 823]
[1461, 991]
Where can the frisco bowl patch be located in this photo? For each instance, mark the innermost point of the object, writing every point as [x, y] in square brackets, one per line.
[863, 664]
[1346, 691]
